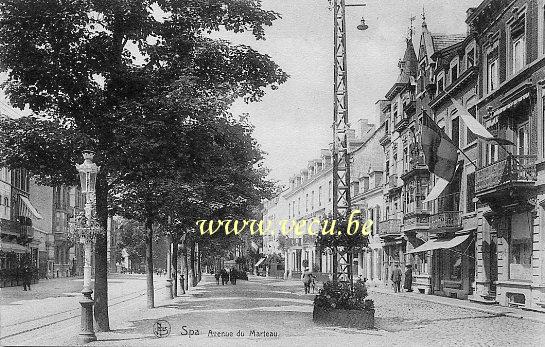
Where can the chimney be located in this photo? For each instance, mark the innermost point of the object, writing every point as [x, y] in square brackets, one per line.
[469, 25]
[364, 128]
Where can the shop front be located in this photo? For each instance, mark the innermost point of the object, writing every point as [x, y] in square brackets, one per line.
[452, 264]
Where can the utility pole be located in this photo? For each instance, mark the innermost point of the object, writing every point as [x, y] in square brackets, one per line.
[341, 158]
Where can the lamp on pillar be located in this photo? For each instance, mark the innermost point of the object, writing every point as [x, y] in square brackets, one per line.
[88, 227]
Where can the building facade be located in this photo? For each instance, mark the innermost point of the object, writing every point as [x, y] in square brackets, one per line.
[509, 178]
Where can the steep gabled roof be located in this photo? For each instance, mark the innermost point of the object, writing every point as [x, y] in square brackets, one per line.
[431, 43]
[441, 41]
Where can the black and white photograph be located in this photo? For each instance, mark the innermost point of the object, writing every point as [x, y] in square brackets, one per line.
[272, 173]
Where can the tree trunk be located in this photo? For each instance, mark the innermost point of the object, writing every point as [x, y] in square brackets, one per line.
[149, 263]
[175, 265]
[186, 269]
[192, 265]
[101, 257]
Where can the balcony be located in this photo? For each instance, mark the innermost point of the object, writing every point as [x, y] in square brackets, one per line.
[446, 221]
[9, 227]
[416, 168]
[401, 123]
[385, 139]
[390, 227]
[507, 179]
[416, 221]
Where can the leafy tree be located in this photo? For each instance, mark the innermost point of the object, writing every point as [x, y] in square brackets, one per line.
[131, 238]
[90, 64]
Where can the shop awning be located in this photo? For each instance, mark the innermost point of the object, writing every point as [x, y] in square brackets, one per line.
[494, 119]
[13, 247]
[259, 262]
[440, 244]
[31, 208]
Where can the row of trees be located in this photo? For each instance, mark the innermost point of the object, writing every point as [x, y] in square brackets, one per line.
[142, 84]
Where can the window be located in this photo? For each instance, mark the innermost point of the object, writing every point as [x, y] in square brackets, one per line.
[356, 186]
[470, 184]
[330, 191]
[520, 247]
[440, 84]
[306, 202]
[470, 58]
[522, 140]
[453, 72]
[299, 206]
[470, 136]
[492, 69]
[518, 44]
[312, 200]
[455, 131]
[365, 184]
[320, 196]
[387, 172]
[491, 154]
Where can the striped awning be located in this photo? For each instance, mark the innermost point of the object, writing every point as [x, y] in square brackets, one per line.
[30, 207]
[259, 262]
[440, 244]
[13, 247]
[493, 120]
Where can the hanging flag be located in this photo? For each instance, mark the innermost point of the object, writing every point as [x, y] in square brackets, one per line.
[440, 152]
[439, 187]
[476, 127]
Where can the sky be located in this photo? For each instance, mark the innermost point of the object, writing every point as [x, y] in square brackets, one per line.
[294, 122]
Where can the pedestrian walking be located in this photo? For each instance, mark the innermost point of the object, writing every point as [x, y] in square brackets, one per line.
[217, 276]
[306, 277]
[233, 276]
[396, 278]
[27, 277]
[408, 285]
[224, 276]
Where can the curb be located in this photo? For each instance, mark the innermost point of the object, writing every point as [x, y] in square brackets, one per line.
[490, 311]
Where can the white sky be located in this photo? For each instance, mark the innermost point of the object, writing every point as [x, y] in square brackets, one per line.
[294, 122]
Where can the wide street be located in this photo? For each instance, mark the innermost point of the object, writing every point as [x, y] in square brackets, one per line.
[267, 311]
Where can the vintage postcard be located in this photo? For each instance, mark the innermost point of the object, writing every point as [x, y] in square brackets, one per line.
[272, 172]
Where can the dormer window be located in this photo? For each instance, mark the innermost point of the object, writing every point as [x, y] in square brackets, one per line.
[454, 71]
[440, 83]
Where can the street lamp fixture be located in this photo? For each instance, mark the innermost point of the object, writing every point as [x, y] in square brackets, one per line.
[87, 227]
[362, 25]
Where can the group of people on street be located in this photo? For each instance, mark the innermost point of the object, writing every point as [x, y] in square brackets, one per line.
[397, 276]
[226, 276]
[308, 279]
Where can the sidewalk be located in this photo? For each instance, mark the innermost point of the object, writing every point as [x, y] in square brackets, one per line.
[490, 309]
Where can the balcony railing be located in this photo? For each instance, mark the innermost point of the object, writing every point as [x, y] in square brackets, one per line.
[446, 220]
[16, 228]
[513, 169]
[389, 227]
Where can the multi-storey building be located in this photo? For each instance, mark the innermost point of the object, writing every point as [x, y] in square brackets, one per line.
[453, 215]
[367, 196]
[309, 195]
[18, 244]
[509, 181]
[405, 181]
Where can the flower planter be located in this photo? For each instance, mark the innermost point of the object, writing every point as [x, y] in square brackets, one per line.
[359, 319]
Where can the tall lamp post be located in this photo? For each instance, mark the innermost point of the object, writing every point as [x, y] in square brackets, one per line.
[88, 227]
[341, 146]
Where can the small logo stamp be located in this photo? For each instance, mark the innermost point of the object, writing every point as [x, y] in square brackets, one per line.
[161, 328]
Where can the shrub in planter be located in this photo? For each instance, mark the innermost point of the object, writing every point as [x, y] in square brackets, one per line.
[343, 304]
[241, 275]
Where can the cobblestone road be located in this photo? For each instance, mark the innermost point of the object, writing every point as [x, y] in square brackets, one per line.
[276, 313]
